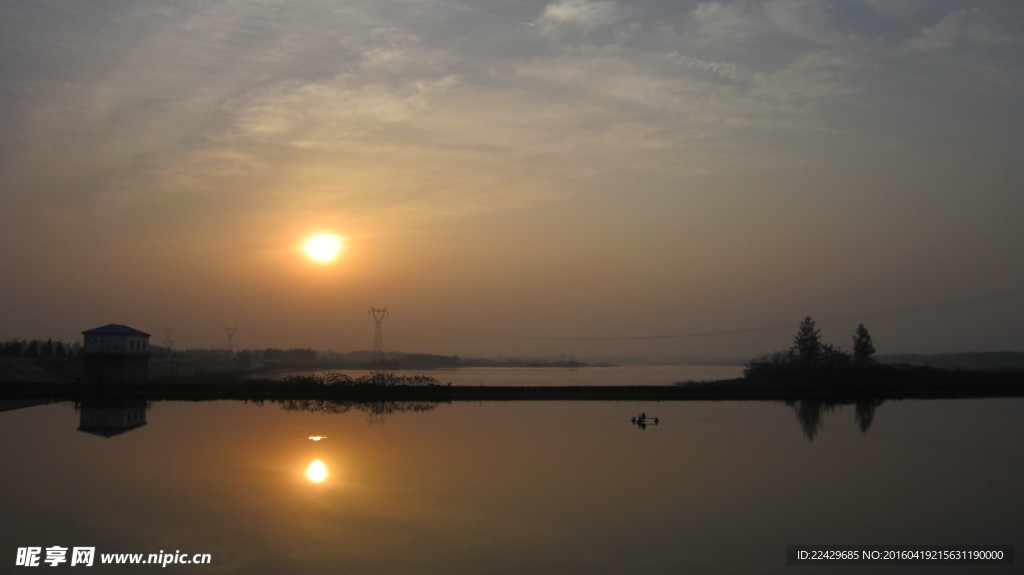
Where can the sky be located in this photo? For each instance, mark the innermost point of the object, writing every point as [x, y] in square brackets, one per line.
[515, 178]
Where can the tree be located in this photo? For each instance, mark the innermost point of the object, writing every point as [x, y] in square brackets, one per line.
[807, 343]
[863, 348]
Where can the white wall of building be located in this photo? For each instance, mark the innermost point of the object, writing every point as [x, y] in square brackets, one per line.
[115, 344]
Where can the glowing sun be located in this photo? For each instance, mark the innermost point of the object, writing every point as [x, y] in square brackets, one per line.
[317, 471]
[323, 247]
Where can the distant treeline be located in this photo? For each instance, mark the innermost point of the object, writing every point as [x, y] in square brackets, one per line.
[994, 360]
[334, 359]
[39, 348]
[395, 360]
[294, 355]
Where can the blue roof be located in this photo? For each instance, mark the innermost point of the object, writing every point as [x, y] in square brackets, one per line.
[114, 329]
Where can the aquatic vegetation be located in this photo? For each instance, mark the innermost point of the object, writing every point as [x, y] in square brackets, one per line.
[340, 379]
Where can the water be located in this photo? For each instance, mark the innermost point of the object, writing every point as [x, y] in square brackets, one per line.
[511, 487]
[568, 376]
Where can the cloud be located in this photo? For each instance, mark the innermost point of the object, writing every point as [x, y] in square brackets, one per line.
[327, 113]
[727, 70]
[723, 21]
[971, 29]
[209, 97]
[582, 14]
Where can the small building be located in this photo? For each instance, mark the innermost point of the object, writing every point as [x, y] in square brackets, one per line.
[115, 353]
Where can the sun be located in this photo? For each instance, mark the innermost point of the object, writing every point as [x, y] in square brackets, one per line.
[323, 248]
[316, 472]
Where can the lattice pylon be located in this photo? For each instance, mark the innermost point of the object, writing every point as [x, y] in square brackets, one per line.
[378, 331]
[230, 331]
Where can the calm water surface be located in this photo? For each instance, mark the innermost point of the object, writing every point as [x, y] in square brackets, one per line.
[512, 487]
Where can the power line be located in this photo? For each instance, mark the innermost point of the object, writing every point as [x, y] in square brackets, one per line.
[938, 306]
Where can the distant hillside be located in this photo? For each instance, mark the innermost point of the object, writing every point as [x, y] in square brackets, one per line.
[987, 360]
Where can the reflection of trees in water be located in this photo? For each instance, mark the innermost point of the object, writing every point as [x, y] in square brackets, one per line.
[865, 413]
[376, 411]
[339, 379]
[810, 411]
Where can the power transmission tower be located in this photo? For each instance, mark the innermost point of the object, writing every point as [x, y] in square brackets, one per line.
[231, 337]
[169, 344]
[378, 332]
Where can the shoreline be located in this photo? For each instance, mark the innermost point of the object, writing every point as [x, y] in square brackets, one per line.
[931, 385]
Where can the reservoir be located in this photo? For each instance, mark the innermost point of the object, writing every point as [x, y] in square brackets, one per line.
[509, 487]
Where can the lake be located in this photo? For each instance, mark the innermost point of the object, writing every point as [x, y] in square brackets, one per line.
[508, 487]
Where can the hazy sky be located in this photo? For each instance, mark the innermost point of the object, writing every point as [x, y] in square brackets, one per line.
[562, 169]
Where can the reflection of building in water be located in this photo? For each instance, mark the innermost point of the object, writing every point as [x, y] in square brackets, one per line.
[115, 354]
[110, 418]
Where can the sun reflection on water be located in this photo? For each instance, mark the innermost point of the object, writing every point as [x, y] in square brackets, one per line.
[317, 471]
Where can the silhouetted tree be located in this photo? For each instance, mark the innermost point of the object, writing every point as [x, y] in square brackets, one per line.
[8, 348]
[809, 357]
[863, 348]
[833, 357]
[807, 342]
[301, 354]
[274, 354]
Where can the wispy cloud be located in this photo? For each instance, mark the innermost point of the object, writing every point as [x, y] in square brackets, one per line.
[156, 85]
[972, 29]
[583, 14]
